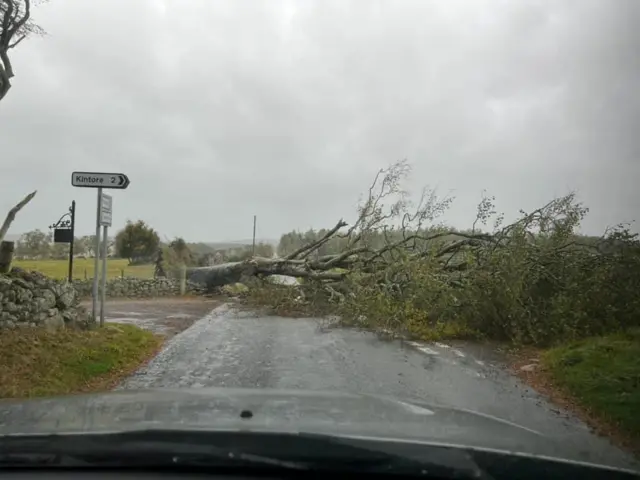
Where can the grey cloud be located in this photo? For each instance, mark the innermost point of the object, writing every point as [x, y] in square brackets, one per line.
[219, 110]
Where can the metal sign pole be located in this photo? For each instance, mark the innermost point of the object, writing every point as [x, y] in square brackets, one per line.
[73, 233]
[103, 291]
[97, 257]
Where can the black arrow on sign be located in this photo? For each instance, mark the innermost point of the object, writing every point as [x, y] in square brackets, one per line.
[123, 181]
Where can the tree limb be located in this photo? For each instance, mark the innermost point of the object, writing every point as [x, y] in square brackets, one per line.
[293, 272]
[13, 212]
[15, 26]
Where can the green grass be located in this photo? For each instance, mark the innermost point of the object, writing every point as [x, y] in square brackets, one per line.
[603, 375]
[39, 362]
[83, 268]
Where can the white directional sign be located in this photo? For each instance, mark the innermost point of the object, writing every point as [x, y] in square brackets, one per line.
[106, 210]
[99, 180]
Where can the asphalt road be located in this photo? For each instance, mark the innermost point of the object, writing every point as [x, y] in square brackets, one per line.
[227, 348]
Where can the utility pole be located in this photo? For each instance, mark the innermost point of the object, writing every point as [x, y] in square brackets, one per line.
[253, 250]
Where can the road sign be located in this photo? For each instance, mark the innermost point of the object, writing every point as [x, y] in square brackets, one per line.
[104, 212]
[106, 209]
[99, 180]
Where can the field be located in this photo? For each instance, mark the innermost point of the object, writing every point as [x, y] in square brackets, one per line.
[83, 268]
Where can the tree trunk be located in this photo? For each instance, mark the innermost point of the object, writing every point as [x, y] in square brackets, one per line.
[6, 256]
[234, 272]
[12, 214]
[220, 275]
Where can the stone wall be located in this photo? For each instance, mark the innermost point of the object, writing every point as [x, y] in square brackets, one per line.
[29, 299]
[131, 287]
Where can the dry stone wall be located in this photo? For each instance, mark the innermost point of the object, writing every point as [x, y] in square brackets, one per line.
[30, 299]
[131, 287]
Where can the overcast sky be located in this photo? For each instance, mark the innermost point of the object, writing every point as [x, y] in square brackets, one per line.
[219, 110]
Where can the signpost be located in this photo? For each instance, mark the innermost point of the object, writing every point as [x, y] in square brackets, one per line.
[99, 180]
[64, 231]
[106, 205]
[106, 209]
[104, 213]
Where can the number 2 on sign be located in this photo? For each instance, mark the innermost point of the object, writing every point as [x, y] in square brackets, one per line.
[113, 179]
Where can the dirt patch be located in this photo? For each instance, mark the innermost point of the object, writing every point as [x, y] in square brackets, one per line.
[163, 316]
[527, 365]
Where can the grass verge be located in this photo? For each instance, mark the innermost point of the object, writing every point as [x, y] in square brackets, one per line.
[37, 362]
[602, 375]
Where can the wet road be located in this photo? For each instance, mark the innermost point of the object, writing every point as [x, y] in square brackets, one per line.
[164, 316]
[237, 349]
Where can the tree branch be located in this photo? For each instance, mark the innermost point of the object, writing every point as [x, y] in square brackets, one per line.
[12, 45]
[13, 212]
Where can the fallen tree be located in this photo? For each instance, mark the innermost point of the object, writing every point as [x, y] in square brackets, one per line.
[388, 229]
[397, 267]
[375, 215]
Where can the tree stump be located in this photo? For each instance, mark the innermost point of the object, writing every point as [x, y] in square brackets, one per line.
[6, 256]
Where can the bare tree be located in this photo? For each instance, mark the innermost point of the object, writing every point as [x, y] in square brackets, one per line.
[15, 26]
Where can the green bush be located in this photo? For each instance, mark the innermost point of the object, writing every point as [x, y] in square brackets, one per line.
[535, 283]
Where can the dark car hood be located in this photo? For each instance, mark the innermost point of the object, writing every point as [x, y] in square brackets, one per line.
[332, 413]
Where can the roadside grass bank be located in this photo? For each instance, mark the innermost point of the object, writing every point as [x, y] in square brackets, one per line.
[40, 362]
[59, 269]
[602, 376]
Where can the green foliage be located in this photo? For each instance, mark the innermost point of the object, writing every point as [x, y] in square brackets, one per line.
[172, 258]
[288, 301]
[137, 242]
[534, 282]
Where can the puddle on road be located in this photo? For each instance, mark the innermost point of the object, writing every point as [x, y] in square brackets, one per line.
[169, 325]
[163, 316]
[148, 323]
[180, 316]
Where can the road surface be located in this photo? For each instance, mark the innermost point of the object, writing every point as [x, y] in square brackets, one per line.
[227, 348]
[164, 316]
